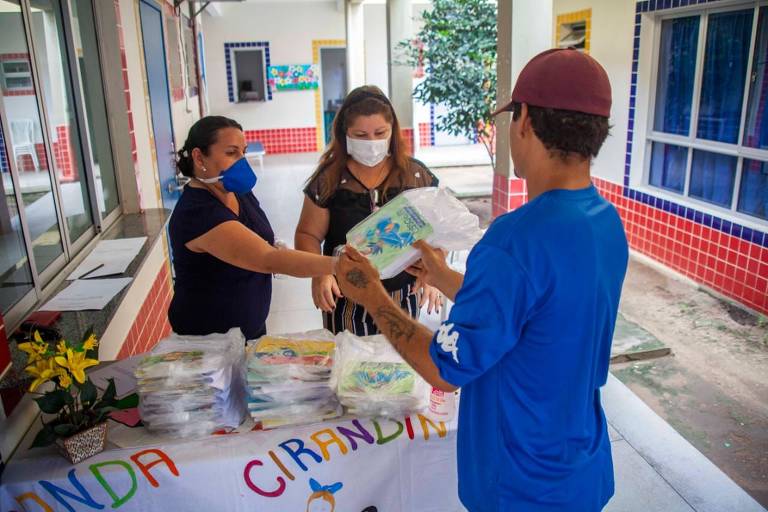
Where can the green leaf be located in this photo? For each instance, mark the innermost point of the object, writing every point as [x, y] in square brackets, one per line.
[64, 430]
[53, 401]
[128, 401]
[87, 393]
[45, 437]
[110, 392]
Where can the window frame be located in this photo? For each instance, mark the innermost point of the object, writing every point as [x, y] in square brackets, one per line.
[236, 82]
[691, 142]
[46, 281]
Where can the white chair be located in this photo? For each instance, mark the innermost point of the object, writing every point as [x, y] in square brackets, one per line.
[23, 140]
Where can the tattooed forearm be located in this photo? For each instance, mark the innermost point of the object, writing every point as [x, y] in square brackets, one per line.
[395, 323]
[357, 279]
[409, 338]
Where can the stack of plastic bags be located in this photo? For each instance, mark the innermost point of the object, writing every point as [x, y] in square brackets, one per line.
[372, 379]
[193, 385]
[288, 379]
[431, 214]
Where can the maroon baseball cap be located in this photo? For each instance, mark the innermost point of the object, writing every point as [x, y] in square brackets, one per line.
[564, 79]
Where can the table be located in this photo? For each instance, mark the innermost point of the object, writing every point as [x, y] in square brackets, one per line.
[345, 465]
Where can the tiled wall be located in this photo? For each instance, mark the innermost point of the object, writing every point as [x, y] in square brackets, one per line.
[426, 135]
[724, 256]
[408, 136]
[62, 152]
[285, 140]
[508, 194]
[151, 324]
[727, 257]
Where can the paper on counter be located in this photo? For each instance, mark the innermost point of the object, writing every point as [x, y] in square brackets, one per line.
[82, 295]
[114, 256]
[123, 373]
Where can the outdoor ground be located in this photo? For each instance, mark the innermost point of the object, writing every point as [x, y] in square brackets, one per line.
[713, 387]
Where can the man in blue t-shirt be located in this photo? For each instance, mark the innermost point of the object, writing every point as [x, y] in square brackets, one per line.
[529, 337]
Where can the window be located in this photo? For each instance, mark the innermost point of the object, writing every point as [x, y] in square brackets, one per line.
[573, 30]
[249, 76]
[709, 132]
[16, 75]
[57, 174]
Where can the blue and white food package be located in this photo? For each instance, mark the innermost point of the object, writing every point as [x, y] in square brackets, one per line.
[371, 379]
[431, 214]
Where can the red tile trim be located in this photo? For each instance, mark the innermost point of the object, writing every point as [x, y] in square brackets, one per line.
[729, 265]
[151, 323]
[285, 140]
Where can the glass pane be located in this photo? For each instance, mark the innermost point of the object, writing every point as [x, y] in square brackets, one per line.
[668, 165]
[24, 143]
[753, 193]
[725, 69]
[677, 70]
[50, 48]
[95, 107]
[15, 273]
[712, 177]
[756, 129]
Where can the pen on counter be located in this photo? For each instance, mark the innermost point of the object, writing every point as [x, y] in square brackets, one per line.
[94, 269]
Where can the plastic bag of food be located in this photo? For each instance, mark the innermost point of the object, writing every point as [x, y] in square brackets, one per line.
[372, 379]
[431, 214]
[303, 356]
[193, 385]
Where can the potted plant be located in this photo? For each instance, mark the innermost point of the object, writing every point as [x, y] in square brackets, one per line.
[78, 426]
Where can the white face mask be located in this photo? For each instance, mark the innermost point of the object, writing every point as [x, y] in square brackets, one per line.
[368, 152]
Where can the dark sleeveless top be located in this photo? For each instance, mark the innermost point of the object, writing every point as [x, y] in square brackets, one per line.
[352, 202]
[210, 295]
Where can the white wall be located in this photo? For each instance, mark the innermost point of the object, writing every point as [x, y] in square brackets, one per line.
[146, 167]
[289, 27]
[375, 23]
[611, 44]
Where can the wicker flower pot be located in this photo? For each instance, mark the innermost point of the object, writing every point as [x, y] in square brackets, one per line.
[82, 445]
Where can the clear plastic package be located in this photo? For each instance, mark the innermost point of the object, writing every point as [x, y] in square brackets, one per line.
[372, 379]
[431, 214]
[193, 385]
[287, 377]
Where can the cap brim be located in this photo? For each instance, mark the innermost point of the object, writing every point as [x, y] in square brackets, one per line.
[506, 108]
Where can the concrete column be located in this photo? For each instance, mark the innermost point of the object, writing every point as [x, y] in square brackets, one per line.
[524, 30]
[355, 44]
[400, 28]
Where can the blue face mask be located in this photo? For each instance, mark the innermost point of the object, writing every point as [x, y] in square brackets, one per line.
[239, 178]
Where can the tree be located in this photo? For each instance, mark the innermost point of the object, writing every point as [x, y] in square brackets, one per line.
[457, 45]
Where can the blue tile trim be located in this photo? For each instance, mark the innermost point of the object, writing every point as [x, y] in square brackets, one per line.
[431, 124]
[228, 63]
[720, 224]
[3, 154]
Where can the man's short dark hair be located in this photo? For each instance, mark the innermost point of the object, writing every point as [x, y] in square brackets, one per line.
[566, 133]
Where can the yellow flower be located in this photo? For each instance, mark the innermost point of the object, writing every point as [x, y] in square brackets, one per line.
[61, 348]
[76, 363]
[90, 343]
[38, 338]
[43, 370]
[64, 379]
[35, 350]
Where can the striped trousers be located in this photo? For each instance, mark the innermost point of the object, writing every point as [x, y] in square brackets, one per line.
[353, 317]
